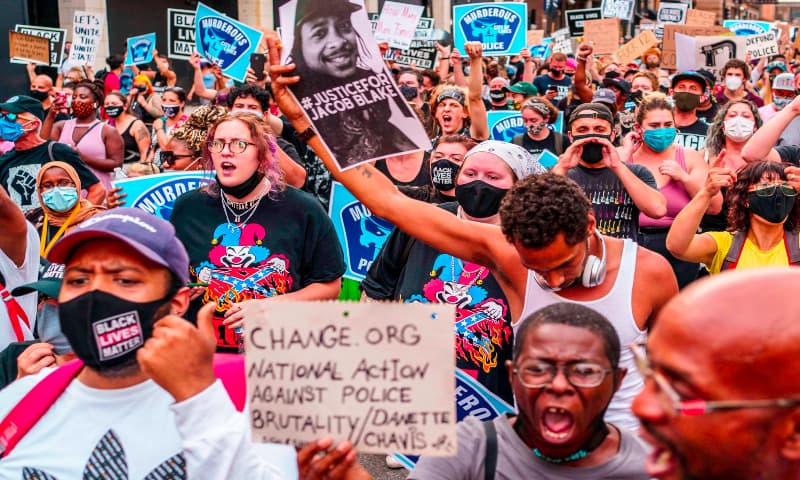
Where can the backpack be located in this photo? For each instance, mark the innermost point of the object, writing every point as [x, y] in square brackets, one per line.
[790, 242]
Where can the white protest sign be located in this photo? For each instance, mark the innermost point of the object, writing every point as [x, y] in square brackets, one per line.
[380, 375]
[86, 30]
[561, 41]
[398, 23]
[622, 9]
[669, 12]
[762, 45]
[710, 52]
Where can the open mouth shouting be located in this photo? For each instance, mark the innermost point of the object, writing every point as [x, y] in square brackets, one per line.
[227, 168]
[663, 461]
[557, 424]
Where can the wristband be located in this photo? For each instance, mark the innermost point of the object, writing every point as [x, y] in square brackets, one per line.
[307, 134]
[582, 59]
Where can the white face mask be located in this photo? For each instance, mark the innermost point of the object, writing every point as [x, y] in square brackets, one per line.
[733, 83]
[739, 129]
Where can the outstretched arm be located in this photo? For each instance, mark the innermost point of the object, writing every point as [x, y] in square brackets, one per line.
[479, 124]
[760, 146]
[14, 233]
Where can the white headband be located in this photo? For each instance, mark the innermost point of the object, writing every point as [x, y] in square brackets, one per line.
[520, 160]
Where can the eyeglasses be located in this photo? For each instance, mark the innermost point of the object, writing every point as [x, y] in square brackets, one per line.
[235, 146]
[63, 183]
[11, 117]
[169, 157]
[581, 374]
[671, 399]
[768, 189]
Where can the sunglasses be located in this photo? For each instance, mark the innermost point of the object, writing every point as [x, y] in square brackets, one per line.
[169, 158]
[768, 189]
[11, 117]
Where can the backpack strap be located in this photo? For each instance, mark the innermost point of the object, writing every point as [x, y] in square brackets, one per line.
[517, 139]
[16, 314]
[792, 244]
[559, 140]
[490, 462]
[732, 257]
[35, 404]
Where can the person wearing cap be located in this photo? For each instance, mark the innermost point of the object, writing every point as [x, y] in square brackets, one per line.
[498, 95]
[541, 252]
[707, 110]
[537, 113]
[623, 119]
[619, 190]
[125, 275]
[651, 60]
[20, 122]
[688, 90]
[521, 92]
[554, 84]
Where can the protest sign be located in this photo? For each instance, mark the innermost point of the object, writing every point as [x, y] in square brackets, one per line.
[397, 24]
[422, 53]
[360, 233]
[603, 34]
[708, 52]
[380, 375]
[700, 17]
[500, 27]
[180, 33]
[622, 9]
[140, 49]
[29, 48]
[352, 102]
[156, 194]
[224, 41]
[472, 400]
[575, 19]
[668, 54]
[561, 41]
[671, 12]
[762, 45]
[534, 37]
[505, 125]
[56, 36]
[747, 27]
[424, 30]
[86, 31]
[636, 47]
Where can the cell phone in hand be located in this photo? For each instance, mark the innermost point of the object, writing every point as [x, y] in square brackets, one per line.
[257, 62]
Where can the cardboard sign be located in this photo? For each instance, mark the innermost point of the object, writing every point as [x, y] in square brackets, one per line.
[180, 33]
[762, 45]
[636, 47]
[700, 17]
[500, 27]
[140, 49]
[156, 194]
[747, 27]
[360, 233]
[603, 34]
[86, 31]
[668, 54]
[622, 9]
[575, 19]
[56, 36]
[534, 37]
[380, 375]
[224, 41]
[708, 52]
[397, 24]
[29, 47]
[505, 125]
[561, 42]
[670, 12]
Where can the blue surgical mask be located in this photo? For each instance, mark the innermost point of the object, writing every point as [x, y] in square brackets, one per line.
[60, 199]
[10, 131]
[247, 110]
[659, 139]
[49, 328]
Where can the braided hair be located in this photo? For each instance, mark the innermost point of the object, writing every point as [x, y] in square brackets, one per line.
[194, 130]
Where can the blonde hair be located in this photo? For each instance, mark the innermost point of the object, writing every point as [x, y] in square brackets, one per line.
[142, 168]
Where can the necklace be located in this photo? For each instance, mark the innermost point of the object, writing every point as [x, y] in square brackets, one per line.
[473, 280]
[237, 216]
[575, 456]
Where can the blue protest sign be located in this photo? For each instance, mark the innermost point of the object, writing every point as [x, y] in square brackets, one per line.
[360, 233]
[140, 49]
[156, 194]
[500, 27]
[224, 41]
[504, 125]
[747, 27]
[473, 400]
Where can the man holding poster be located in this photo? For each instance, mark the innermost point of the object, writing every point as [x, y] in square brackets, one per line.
[349, 96]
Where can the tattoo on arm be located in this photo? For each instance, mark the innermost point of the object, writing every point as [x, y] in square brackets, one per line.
[364, 172]
[141, 133]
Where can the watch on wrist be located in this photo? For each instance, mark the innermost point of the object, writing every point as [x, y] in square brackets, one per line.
[307, 134]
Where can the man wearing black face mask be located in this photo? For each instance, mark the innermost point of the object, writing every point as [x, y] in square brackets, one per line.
[689, 89]
[498, 94]
[618, 189]
[124, 271]
[555, 78]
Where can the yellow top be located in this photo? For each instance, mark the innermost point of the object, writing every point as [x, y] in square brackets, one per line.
[751, 256]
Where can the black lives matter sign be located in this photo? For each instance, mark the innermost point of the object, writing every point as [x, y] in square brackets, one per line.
[180, 33]
[422, 52]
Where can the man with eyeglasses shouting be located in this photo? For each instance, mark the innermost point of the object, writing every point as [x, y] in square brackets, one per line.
[722, 398]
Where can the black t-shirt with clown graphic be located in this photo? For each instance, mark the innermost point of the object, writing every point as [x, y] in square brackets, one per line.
[411, 271]
[288, 244]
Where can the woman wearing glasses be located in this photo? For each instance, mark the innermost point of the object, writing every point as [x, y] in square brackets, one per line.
[248, 234]
[762, 221]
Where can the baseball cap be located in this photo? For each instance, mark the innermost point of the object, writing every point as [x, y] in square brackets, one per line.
[697, 77]
[783, 81]
[525, 88]
[147, 234]
[22, 104]
[49, 283]
[592, 110]
[618, 82]
[605, 95]
[708, 75]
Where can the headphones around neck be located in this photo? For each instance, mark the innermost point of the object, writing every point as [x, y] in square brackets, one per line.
[594, 269]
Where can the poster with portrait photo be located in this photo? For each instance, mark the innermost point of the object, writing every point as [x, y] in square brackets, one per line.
[345, 89]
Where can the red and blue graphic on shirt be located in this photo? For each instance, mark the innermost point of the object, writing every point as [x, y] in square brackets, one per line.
[480, 325]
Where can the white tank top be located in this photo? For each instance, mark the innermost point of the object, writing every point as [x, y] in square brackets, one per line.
[617, 307]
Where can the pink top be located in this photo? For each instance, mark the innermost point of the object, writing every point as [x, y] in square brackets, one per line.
[676, 194]
[90, 144]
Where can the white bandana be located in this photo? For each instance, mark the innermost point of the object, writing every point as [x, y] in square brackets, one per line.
[520, 160]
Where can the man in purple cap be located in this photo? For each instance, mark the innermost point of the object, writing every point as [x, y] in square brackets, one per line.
[125, 274]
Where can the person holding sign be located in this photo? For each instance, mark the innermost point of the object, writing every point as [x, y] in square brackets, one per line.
[547, 249]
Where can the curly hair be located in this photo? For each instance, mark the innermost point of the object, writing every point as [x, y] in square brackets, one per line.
[738, 196]
[193, 131]
[260, 95]
[715, 141]
[650, 102]
[539, 207]
[95, 87]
